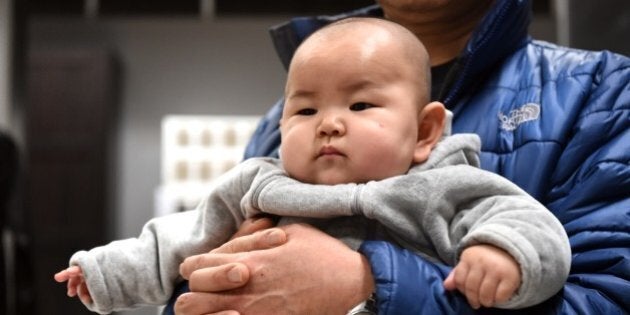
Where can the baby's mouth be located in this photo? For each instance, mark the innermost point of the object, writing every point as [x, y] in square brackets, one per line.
[329, 151]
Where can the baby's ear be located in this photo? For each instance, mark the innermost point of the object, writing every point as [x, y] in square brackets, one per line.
[430, 127]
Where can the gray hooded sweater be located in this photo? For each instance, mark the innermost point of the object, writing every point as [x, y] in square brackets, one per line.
[437, 209]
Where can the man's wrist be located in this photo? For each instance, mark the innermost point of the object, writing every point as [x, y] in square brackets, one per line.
[367, 307]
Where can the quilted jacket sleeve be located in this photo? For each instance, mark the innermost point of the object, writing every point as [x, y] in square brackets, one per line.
[409, 284]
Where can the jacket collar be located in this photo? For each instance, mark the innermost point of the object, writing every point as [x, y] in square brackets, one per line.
[501, 31]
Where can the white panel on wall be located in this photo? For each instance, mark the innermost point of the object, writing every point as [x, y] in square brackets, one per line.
[195, 151]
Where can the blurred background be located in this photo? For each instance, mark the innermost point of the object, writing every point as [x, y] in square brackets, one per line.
[97, 97]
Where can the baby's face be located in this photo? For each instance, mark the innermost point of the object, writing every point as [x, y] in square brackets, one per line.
[351, 113]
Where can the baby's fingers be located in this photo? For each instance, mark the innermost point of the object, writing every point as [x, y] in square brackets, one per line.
[449, 282]
[74, 271]
[66, 274]
[75, 280]
[505, 290]
[73, 284]
[62, 276]
[84, 293]
[488, 291]
[472, 286]
[458, 276]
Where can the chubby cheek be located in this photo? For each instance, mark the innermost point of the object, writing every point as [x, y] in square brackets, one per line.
[381, 164]
[386, 152]
[293, 153]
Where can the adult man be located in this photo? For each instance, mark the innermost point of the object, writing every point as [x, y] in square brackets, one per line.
[552, 120]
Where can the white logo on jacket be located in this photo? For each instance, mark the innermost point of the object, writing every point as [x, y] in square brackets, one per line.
[516, 117]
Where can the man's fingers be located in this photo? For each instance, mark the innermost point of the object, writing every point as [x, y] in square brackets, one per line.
[201, 261]
[195, 303]
[222, 255]
[260, 240]
[252, 225]
[220, 278]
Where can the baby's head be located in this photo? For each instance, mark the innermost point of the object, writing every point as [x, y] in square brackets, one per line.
[356, 104]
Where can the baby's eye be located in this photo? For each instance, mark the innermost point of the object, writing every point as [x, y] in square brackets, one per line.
[307, 112]
[360, 106]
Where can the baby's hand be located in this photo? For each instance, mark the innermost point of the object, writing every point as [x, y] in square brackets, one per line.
[486, 275]
[76, 283]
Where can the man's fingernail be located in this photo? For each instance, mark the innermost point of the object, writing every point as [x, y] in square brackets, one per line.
[235, 275]
[274, 237]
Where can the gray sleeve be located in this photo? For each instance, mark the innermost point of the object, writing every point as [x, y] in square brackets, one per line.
[143, 270]
[451, 208]
[278, 194]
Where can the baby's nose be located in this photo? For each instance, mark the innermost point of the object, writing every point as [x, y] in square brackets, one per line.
[331, 126]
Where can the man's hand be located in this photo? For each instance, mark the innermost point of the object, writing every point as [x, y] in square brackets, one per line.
[486, 275]
[295, 269]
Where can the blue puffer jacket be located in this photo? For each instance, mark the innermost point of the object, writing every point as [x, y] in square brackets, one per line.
[553, 120]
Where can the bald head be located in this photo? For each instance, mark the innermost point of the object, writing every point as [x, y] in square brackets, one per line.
[365, 38]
